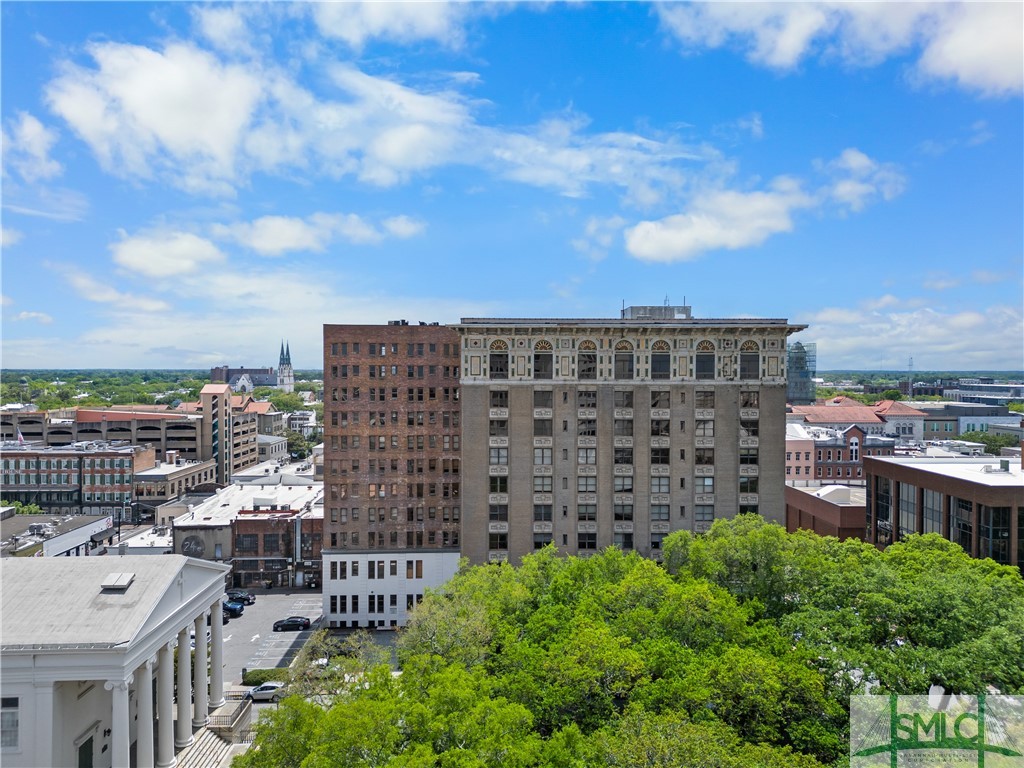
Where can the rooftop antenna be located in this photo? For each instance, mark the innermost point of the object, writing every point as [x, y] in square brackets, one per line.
[666, 300]
[910, 376]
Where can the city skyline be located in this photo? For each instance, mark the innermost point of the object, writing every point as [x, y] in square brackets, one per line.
[185, 184]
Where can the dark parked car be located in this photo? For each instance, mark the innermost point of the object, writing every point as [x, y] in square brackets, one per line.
[241, 596]
[233, 609]
[291, 623]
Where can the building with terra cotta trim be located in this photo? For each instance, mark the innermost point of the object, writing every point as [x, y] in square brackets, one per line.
[392, 468]
[977, 502]
[586, 433]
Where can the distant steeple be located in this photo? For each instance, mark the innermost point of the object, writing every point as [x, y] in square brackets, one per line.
[280, 359]
[285, 375]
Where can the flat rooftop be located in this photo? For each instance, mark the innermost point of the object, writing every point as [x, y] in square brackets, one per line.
[982, 470]
[228, 503]
[169, 468]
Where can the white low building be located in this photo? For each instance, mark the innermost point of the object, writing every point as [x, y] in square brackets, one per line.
[88, 658]
[371, 589]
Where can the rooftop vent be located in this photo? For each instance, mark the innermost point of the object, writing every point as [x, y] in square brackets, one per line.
[118, 581]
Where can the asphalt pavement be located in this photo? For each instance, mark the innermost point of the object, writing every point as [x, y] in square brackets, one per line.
[250, 641]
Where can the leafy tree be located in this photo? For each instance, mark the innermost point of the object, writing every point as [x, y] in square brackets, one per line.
[891, 394]
[23, 509]
[993, 443]
[1016, 407]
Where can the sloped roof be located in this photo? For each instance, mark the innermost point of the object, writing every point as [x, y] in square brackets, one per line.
[838, 414]
[257, 406]
[896, 408]
[215, 389]
[59, 602]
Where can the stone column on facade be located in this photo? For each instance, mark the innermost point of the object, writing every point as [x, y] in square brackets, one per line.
[183, 735]
[165, 707]
[201, 715]
[216, 654]
[144, 733]
[120, 737]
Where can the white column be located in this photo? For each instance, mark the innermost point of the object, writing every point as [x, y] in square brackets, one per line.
[120, 747]
[144, 733]
[183, 736]
[216, 654]
[43, 724]
[202, 715]
[165, 707]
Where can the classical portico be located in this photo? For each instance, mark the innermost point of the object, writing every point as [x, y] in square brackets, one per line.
[88, 657]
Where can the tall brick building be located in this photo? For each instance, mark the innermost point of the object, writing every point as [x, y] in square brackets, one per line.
[392, 468]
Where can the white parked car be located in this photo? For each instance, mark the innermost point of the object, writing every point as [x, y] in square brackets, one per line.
[269, 691]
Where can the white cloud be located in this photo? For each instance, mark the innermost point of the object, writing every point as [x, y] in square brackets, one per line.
[977, 46]
[882, 302]
[721, 219]
[102, 292]
[224, 26]
[862, 338]
[164, 253]
[404, 227]
[988, 277]
[182, 116]
[857, 179]
[6, 301]
[27, 148]
[180, 110]
[980, 134]
[598, 236]
[40, 317]
[940, 282]
[9, 237]
[276, 235]
[401, 22]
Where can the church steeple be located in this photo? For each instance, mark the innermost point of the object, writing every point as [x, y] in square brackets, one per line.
[285, 375]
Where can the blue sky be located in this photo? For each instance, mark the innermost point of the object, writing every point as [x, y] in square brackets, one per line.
[185, 185]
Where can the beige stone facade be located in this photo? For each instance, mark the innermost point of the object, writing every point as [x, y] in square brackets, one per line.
[593, 432]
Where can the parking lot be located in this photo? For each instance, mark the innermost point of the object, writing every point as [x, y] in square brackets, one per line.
[250, 641]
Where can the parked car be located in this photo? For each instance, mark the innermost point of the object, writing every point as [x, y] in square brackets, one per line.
[241, 596]
[269, 691]
[233, 609]
[291, 623]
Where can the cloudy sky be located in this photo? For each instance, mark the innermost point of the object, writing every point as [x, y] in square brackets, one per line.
[185, 185]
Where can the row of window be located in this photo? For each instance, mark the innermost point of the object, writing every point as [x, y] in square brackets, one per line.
[340, 569]
[624, 364]
[449, 419]
[374, 603]
[413, 539]
[499, 398]
[382, 514]
[620, 484]
[624, 456]
[381, 394]
[382, 349]
[383, 371]
[448, 490]
[623, 427]
[383, 442]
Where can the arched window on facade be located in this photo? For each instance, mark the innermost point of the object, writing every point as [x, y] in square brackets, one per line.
[543, 360]
[587, 360]
[750, 360]
[498, 363]
[624, 360]
[705, 367]
[661, 360]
